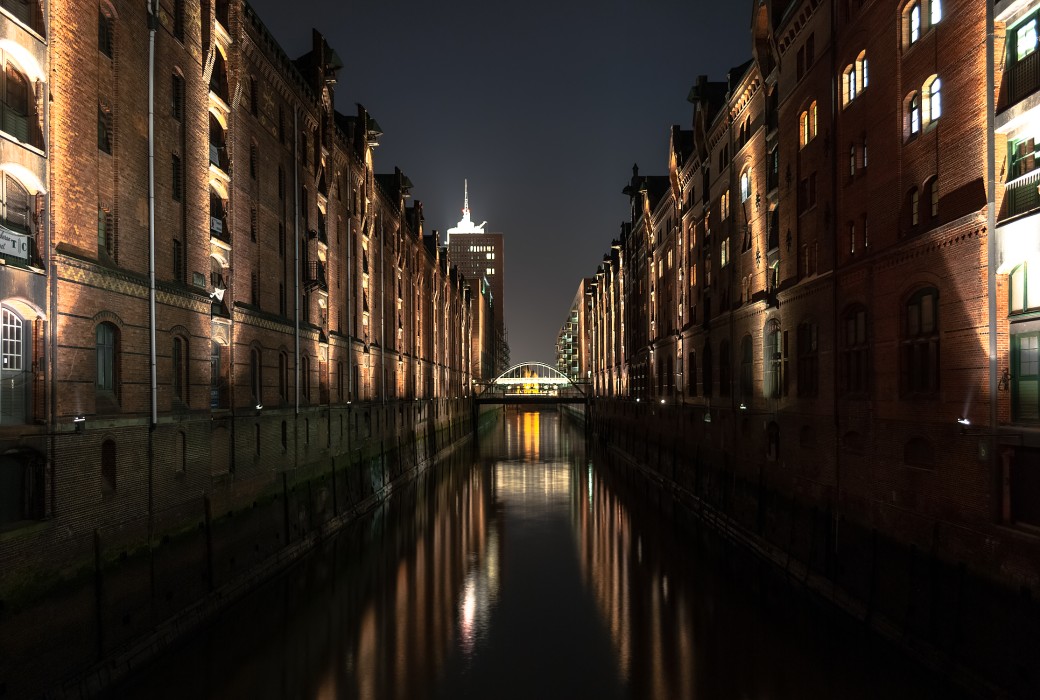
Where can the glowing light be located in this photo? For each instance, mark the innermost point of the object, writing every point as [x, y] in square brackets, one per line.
[964, 421]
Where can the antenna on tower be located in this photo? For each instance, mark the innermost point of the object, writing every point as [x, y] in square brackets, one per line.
[465, 200]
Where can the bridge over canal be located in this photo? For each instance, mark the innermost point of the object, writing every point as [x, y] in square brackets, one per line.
[532, 383]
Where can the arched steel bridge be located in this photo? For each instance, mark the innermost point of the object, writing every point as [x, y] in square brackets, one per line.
[532, 383]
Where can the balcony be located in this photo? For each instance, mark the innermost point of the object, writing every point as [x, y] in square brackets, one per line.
[1023, 78]
[315, 277]
[1023, 193]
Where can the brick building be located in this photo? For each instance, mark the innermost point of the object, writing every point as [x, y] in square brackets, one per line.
[202, 292]
[839, 327]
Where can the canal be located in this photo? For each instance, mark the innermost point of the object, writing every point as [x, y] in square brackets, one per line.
[521, 570]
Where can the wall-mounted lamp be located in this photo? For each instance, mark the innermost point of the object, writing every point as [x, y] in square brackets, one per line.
[743, 406]
[80, 423]
[637, 399]
[707, 417]
[964, 421]
[662, 400]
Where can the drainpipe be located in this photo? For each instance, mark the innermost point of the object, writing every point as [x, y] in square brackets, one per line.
[296, 253]
[991, 239]
[153, 21]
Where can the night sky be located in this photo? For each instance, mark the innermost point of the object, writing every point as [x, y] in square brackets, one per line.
[543, 106]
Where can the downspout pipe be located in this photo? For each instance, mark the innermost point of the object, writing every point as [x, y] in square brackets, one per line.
[296, 255]
[991, 224]
[153, 23]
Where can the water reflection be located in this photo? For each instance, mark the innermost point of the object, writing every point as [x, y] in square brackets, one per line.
[524, 573]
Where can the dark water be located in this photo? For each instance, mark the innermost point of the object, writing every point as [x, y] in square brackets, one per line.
[526, 573]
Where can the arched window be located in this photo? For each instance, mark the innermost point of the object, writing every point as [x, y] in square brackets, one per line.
[803, 130]
[747, 376]
[920, 361]
[108, 466]
[283, 376]
[16, 213]
[745, 185]
[862, 74]
[932, 92]
[219, 364]
[107, 350]
[931, 189]
[706, 369]
[177, 96]
[772, 356]
[854, 360]
[256, 381]
[17, 369]
[217, 143]
[814, 121]
[218, 225]
[912, 22]
[19, 106]
[913, 113]
[934, 11]
[848, 84]
[179, 366]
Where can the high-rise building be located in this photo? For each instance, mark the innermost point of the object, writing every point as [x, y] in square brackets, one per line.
[479, 254]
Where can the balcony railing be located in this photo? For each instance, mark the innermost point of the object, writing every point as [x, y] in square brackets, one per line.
[316, 275]
[1023, 193]
[1023, 78]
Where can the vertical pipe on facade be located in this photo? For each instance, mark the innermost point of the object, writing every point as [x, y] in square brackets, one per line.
[296, 254]
[50, 360]
[991, 216]
[153, 20]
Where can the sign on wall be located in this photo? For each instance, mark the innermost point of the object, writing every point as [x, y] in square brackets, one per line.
[15, 245]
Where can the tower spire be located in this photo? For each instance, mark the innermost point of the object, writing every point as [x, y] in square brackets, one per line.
[465, 200]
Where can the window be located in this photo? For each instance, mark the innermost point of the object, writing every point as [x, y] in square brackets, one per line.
[852, 238]
[912, 22]
[106, 233]
[1025, 38]
[745, 185]
[12, 346]
[724, 251]
[724, 374]
[16, 213]
[178, 19]
[864, 151]
[915, 207]
[283, 376]
[19, 106]
[1025, 371]
[773, 358]
[848, 84]
[108, 466]
[803, 130]
[178, 260]
[106, 27]
[104, 129]
[920, 366]
[706, 370]
[107, 350]
[932, 99]
[747, 377]
[854, 358]
[179, 376]
[177, 97]
[176, 177]
[813, 120]
[256, 376]
[862, 74]
[914, 113]
[935, 11]
[1024, 285]
[852, 161]
[305, 377]
[932, 187]
[218, 369]
[808, 360]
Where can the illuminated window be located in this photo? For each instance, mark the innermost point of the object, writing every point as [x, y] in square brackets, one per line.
[914, 113]
[773, 358]
[745, 185]
[1025, 38]
[813, 120]
[932, 99]
[920, 344]
[935, 11]
[862, 75]
[803, 130]
[912, 22]
[724, 252]
[848, 85]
